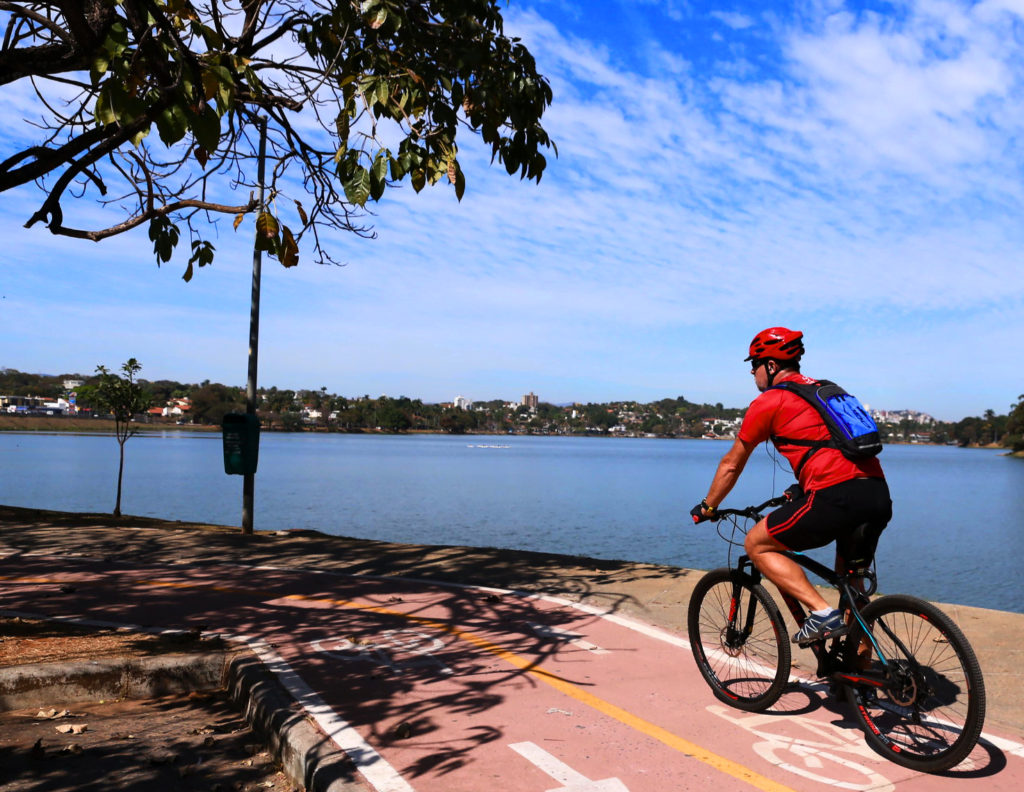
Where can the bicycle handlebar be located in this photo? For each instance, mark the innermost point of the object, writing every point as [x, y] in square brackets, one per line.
[753, 512]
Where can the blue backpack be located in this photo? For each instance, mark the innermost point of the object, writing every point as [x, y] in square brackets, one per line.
[853, 431]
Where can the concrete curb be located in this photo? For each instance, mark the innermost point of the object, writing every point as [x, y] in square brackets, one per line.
[308, 757]
[146, 677]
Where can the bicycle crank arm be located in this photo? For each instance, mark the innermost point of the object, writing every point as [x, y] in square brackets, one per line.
[864, 678]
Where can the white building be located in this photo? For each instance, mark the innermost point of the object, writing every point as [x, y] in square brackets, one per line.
[462, 403]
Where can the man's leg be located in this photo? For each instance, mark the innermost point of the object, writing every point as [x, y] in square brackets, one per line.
[788, 575]
[865, 648]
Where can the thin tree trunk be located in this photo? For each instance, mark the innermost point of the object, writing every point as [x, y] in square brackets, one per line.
[120, 473]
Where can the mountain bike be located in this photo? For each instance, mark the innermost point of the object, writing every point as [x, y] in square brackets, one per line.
[904, 667]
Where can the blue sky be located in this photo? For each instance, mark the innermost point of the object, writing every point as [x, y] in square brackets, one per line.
[850, 170]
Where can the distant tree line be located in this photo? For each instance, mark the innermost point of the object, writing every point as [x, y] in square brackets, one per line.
[320, 410]
[985, 430]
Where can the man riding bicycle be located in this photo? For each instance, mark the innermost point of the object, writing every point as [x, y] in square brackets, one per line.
[839, 495]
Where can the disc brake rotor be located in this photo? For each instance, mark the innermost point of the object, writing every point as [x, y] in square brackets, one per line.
[732, 651]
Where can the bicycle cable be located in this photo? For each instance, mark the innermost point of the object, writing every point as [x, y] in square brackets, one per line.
[731, 539]
[772, 452]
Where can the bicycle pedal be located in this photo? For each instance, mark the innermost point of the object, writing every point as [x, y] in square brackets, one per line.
[837, 633]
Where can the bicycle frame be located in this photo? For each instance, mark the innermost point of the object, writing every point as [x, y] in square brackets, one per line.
[830, 664]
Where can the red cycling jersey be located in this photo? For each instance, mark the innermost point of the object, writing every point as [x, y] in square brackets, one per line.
[779, 413]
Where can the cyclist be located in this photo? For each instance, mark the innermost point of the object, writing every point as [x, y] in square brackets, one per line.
[838, 495]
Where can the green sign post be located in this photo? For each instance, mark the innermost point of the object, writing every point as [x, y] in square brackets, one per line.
[241, 433]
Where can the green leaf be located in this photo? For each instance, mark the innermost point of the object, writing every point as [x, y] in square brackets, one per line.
[460, 182]
[218, 83]
[376, 186]
[117, 39]
[210, 36]
[379, 18]
[138, 137]
[419, 179]
[267, 225]
[206, 128]
[378, 175]
[104, 112]
[511, 163]
[211, 85]
[202, 254]
[100, 64]
[341, 125]
[172, 125]
[164, 235]
[357, 186]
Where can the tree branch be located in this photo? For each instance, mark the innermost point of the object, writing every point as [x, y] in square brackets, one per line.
[49, 24]
[159, 211]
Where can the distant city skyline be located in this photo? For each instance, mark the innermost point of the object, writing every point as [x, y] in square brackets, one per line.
[529, 400]
[848, 169]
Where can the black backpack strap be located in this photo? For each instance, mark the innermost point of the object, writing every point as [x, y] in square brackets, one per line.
[804, 392]
[813, 447]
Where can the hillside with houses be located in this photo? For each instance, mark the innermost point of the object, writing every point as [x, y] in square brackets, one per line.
[177, 404]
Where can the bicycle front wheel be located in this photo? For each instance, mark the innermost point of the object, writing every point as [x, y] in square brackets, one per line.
[739, 640]
[929, 715]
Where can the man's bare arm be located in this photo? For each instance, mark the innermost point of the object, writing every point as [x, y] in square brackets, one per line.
[728, 472]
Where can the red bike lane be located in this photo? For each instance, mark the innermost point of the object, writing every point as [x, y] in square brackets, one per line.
[437, 687]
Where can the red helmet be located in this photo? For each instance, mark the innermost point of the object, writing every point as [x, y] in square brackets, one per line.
[777, 343]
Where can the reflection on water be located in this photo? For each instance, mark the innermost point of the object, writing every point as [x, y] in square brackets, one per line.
[955, 535]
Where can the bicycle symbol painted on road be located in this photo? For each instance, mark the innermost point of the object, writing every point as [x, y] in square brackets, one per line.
[397, 650]
[825, 752]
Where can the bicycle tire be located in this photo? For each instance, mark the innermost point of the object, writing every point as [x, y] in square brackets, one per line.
[749, 674]
[934, 720]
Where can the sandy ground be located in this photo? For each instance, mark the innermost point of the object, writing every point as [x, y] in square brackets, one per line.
[27, 641]
[196, 742]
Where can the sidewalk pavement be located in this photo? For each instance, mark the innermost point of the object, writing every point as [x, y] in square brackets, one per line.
[655, 594]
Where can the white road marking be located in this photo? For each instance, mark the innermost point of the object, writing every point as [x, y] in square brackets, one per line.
[558, 634]
[570, 780]
[375, 769]
[395, 642]
[828, 742]
[381, 775]
[1007, 746]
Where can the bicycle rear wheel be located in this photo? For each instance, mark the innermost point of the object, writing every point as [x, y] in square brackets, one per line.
[746, 664]
[930, 715]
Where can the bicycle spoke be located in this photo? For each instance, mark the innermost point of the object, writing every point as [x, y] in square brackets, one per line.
[930, 712]
[748, 672]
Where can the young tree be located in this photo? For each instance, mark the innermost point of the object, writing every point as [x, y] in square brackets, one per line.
[382, 86]
[123, 397]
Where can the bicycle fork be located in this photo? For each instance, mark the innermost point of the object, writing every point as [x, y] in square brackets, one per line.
[734, 636]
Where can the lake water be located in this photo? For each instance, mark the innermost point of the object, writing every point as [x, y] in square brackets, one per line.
[957, 534]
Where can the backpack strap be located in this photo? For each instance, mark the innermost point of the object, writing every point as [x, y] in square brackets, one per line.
[813, 446]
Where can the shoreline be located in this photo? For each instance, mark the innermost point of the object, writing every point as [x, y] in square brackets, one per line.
[87, 427]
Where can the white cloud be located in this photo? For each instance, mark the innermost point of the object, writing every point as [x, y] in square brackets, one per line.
[866, 189]
[733, 19]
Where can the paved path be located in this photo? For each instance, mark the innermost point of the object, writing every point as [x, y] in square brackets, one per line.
[438, 688]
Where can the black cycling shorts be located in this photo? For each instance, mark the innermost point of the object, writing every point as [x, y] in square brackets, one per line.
[834, 514]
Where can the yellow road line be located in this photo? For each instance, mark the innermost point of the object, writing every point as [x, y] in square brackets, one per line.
[625, 717]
